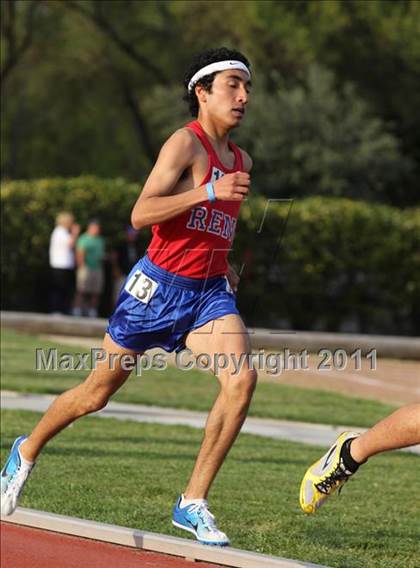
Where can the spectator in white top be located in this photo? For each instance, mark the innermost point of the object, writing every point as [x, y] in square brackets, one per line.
[62, 262]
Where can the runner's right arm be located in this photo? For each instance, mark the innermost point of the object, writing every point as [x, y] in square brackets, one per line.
[156, 204]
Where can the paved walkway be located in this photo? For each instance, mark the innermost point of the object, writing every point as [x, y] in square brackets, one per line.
[312, 434]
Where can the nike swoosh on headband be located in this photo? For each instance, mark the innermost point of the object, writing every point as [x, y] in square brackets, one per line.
[217, 66]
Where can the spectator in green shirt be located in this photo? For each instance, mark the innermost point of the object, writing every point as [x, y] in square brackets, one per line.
[90, 252]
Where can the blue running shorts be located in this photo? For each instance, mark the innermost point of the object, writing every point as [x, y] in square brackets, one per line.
[157, 308]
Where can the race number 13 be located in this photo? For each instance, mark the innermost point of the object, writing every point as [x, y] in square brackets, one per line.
[141, 287]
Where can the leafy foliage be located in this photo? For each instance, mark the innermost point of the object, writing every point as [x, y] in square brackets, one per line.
[335, 104]
[313, 138]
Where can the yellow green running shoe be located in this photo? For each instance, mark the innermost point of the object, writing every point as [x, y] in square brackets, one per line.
[325, 476]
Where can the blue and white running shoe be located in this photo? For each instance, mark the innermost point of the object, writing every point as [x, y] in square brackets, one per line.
[197, 519]
[13, 478]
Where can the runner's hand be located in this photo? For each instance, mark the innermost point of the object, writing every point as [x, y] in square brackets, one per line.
[233, 278]
[232, 187]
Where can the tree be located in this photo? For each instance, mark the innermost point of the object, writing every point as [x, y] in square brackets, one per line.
[315, 138]
[93, 86]
[17, 31]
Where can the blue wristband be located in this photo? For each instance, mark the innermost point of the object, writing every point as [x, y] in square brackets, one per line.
[210, 191]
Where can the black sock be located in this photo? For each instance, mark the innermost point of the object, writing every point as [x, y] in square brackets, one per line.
[349, 463]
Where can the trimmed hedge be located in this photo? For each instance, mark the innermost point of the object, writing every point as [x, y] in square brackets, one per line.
[317, 263]
[334, 264]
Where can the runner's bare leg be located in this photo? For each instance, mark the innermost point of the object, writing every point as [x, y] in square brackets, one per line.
[227, 335]
[399, 430]
[90, 396]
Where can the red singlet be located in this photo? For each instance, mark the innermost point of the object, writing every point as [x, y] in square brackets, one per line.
[196, 243]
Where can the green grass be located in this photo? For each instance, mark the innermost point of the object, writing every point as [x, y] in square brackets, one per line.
[192, 390]
[130, 474]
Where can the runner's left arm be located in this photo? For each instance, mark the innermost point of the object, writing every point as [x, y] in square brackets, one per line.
[233, 277]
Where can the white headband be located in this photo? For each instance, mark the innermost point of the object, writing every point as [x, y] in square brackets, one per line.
[218, 66]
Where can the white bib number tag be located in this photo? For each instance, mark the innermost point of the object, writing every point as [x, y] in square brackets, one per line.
[142, 287]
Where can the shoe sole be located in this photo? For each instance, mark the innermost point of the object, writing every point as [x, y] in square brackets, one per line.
[7, 508]
[192, 531]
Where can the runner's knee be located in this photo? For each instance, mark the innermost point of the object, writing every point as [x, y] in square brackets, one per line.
[93, 402]
[93, 397]
[241, 386]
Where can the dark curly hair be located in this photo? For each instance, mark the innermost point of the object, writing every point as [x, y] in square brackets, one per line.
[199, 61]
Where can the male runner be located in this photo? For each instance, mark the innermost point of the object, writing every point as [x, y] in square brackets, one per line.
[178, 294]
[350, 450]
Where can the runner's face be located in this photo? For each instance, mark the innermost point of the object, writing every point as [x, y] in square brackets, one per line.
[229, 96]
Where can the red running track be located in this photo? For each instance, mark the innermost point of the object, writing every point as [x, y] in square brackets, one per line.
[24, 547]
